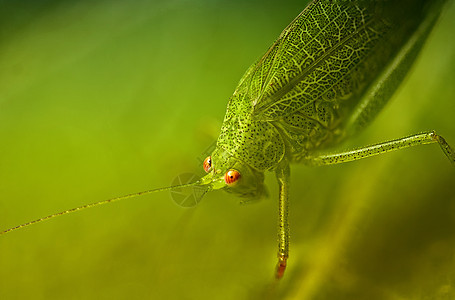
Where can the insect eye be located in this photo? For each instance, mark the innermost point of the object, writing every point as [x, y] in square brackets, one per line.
[231, 177]
[207, 164]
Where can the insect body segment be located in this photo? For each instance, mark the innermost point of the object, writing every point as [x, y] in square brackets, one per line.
[234, 176]
[254, 141]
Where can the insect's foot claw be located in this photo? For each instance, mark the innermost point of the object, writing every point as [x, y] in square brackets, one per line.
[280, 268]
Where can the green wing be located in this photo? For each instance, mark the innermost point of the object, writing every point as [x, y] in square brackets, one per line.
[313, 78]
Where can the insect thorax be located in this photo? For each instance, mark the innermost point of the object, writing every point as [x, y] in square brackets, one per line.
[253, 141]
[262, 140]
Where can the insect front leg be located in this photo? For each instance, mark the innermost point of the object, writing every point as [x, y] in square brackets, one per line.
[282, 174]
[364, 152]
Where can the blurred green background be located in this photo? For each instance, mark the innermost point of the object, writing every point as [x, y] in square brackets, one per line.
[104, 98]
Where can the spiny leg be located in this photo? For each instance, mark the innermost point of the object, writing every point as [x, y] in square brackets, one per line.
[282, 174]
[364, 152]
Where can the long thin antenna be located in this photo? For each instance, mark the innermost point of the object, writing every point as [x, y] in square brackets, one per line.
[96, 204]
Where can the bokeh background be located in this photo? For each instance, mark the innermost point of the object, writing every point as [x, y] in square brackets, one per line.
[104, 98]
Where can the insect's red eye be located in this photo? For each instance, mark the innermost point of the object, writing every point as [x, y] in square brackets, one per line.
[207, 164]
[231, 177]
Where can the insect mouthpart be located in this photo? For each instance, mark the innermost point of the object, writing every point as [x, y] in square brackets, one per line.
[215, 181]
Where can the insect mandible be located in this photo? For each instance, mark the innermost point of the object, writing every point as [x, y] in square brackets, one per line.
[326, 77]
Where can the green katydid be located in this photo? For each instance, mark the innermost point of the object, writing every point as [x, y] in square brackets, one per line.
[327, 76]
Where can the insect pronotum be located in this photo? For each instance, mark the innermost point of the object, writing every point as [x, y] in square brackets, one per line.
[327, 76]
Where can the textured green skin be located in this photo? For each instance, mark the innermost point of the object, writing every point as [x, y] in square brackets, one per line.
[312, 88]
